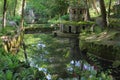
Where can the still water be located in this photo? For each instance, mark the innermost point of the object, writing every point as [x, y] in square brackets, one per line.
[60, 58]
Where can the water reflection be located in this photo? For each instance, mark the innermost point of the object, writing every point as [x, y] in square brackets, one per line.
[60, 58]
[74, 49]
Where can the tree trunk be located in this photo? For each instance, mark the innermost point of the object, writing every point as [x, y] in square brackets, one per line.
[110, 1]
[4, 14]
[94, 5]
[87, 13]
[22, 14]
[14, 12]
[103, 12]
[25, 53]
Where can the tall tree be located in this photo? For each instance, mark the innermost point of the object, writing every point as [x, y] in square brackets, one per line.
[103, 12]
[14, 12]
[94, 5]
[22, 14]
[87, 14]
[110, 1]
[4, 14]
[21, 26]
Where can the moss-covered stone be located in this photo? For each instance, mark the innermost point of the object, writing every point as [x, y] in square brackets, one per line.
[114, 23]
[73, 22]
[105, 45]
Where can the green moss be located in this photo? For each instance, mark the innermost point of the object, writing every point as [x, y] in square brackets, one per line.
[72, 22]
[105, 44]
[114, 23]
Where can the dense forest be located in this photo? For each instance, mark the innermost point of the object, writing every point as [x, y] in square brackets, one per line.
[60, 39]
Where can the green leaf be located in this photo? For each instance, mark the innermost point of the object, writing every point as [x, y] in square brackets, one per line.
[9, 75]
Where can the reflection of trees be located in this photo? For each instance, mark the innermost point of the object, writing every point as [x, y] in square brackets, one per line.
[51, 53]
[74, 49]
[52, 56]
[57, 56]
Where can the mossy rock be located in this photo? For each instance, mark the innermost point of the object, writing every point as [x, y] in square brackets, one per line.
[105, 45]
[73, 22]
[114, 23]
[106, 52]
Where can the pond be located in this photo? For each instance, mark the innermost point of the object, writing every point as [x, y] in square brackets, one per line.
[61, 58]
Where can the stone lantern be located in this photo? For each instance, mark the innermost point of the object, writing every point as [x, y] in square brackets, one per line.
[76, 13]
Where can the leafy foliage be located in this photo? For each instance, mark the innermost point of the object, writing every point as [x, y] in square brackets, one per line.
[13, 69]
[45, 50]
